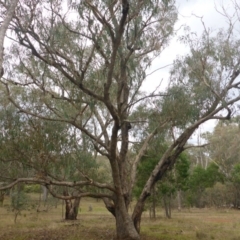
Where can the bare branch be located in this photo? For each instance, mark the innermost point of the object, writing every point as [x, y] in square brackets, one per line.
[196, 146]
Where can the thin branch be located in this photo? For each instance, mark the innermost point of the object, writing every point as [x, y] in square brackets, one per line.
[79, 195]
[196, 146]
[168, 65]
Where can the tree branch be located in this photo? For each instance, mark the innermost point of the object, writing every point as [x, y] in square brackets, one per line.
[45, 181]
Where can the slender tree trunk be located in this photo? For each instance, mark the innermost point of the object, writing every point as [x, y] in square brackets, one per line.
[16, 213]
[153, 205]
[44, 195]
[179, 200]
[167, 206]
[170, 207]
[2, 194]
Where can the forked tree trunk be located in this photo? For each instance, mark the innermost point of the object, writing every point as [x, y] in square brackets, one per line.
[72, 206]
[167, 206]
[72, 209]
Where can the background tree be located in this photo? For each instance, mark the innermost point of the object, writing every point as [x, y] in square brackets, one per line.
[236, 185]
[224, 148]
[224, 151]
[182, 172]
[36, 149]
[19, 201]
[175, 180]
[199, 180]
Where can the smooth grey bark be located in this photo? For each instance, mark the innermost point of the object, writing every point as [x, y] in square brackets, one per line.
[44, 193]
[179, 200]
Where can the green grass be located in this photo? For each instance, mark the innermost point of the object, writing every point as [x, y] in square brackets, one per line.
[99, 224]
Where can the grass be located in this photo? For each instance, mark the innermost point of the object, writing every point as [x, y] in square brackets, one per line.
[99, 224]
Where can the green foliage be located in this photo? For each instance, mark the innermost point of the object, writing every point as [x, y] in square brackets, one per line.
[146, 166]
[41, 147]
[213, 175]
[182, 173]
[175, 179]
[179, 107]
[167, 187]
[19, 200]
[148, 163]
[32, 188]
[201, 179]
[236, 173]
[224, 147]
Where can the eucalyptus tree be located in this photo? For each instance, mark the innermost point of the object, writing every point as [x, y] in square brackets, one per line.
[86, 61]
[223, 148]
[199, 180]
[224, 151]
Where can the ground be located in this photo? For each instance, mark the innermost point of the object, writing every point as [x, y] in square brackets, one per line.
[219, 224]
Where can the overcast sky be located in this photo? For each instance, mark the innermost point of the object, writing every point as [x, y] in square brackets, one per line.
[190, 12]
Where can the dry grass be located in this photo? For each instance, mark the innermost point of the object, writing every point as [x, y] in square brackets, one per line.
[99, 224]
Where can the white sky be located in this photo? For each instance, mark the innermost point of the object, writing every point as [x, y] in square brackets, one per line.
[188, 12]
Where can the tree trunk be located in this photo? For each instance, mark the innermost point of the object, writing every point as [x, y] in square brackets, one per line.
[72, 209]
[2, 194]
[153, 205]
[45, 197]
[167, 206]
[44, 194]
[16, 213]
[179, 200]
[124, 224]
[138, 210]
